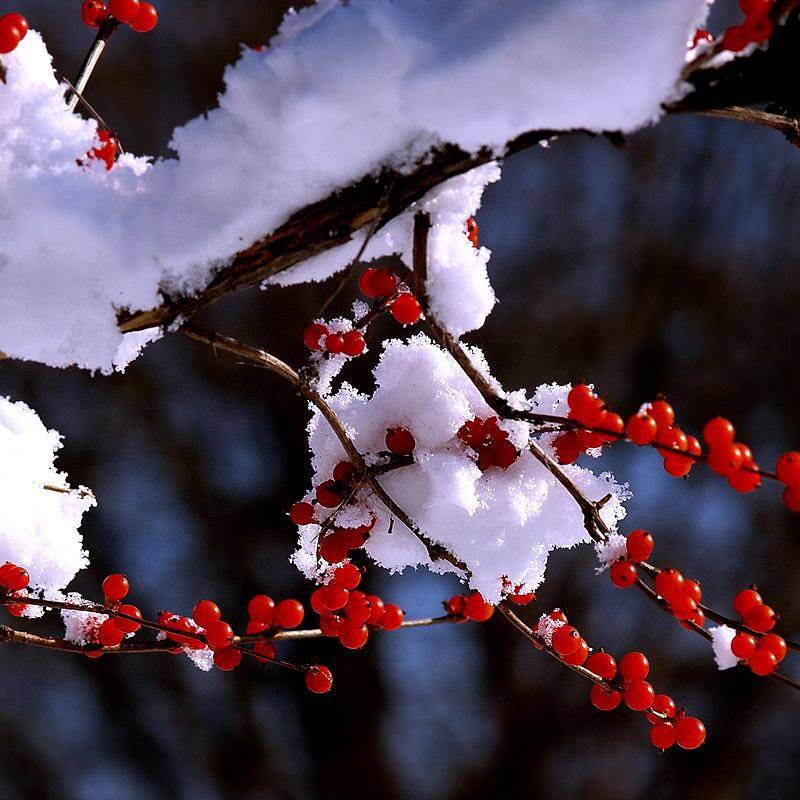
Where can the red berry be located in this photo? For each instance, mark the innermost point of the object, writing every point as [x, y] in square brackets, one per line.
[334, 597]
[724, 459]
[690, 733]
[393, 617]
[343, 471]
[567, 447]
[227, 658]
[638, 695]
[348, 576]
[13, 578]
[365, 282]
[319, 679]
[760, 618]
[289, 613]
[334, 343]
[791, 497]
[353, 343]
[376, 610]
[218, 635]
[264, 651]
[578, 656]
[758, 28]
[455, 605]
[578, 396]
[663, 413]
[11, 33]
[472, 231]
[312, 335]
[302, 513]
[128, 625]
[124, 10]
[353, 636]
[94, 12]
[565, 640]
[662, 735]
[669, 584]
[262, 608]
[774, 644]
[678, 466]
[330, 625]
[788, 468]
[476, 608]
[115, 587]
[634, 666]
[745, 600]
[317, 602]
[622, 574]
[602, 664]
[146, 18]
[743, 645]
[683, 607]
[504, 454]
[400, 441]
[206, 613]
[641, 428]
[328, 494]
[762, 662]
[755, 7]
[109, 635]
[522, 599]
[603, 699]
[640, 545]
[718, 432]
[256, 626]
[405, 309]
[16, 19]
[745, 479]
[692, 589]
[662, 704]
[383, 283]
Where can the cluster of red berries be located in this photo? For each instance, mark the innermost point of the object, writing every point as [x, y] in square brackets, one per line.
[13, 581]
[13, 28]
[654, 424]
[489, 441]
[317, 337]
[682, 595]
[670, 726]
[382, 284]
[348, 614]
[757, 26]
[335, 546]
[733, 460]
[472, 231]
[124, 618]
[471, 606]
[763, 653]
[590, 411]
[139, 15]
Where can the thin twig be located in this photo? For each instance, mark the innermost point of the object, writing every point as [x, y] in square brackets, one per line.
[216, 340]
[106, 31]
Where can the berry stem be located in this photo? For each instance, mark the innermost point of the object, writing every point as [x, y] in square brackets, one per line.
[106, 31]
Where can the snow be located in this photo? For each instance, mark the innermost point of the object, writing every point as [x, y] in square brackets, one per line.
[721, 638]
[501, 523]
[81, 627]
[546, 627]
[39, 528]
[611, 550]
[343, 90]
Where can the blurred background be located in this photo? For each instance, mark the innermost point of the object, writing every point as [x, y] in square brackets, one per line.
[669, 267]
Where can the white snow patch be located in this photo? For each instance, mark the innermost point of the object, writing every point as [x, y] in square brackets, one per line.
[721, 638]
[343, 90]
[39, 528]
